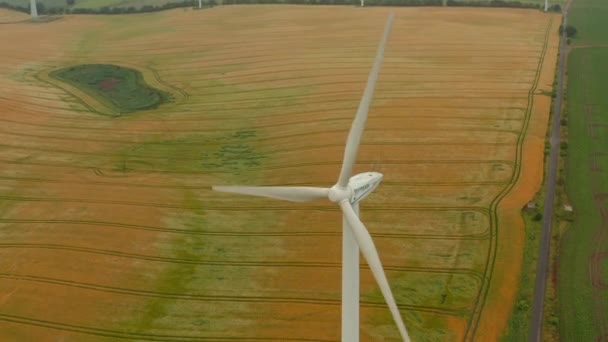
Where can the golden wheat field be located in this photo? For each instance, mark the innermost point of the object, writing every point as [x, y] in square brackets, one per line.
[109, 229]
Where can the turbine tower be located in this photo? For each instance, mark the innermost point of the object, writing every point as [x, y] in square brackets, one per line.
[33, 9]
[546, 5]
[347, 193]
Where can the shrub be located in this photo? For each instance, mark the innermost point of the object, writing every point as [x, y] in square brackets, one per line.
[553, 320]
[522, 305]
[570, 31]
[555, 8]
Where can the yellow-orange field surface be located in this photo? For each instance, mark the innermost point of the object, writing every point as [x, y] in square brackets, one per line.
[109, 229]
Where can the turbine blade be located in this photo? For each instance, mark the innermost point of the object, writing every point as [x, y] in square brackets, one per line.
[354, 136]
[368, 249]
[287, 193]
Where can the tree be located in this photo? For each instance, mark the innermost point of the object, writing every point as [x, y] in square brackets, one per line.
[41, 8]
[555, 8]
[70, 2]
[570, 31]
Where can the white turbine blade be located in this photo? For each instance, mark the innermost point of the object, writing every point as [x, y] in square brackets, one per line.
[354, 136]
[368, 249]
[287, 193]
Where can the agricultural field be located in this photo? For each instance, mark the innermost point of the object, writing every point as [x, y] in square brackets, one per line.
[583, 260]
[109, 229]
[97, 4]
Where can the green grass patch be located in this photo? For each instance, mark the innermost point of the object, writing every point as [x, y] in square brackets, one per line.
[121, 88]
[589, 18]
[230, 153]
[588, 78]
[587, 106]
[519, 322]
[177, 277]
[604, 269]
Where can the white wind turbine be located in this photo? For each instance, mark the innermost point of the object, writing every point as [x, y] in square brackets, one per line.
[347, 192]
[33, 9]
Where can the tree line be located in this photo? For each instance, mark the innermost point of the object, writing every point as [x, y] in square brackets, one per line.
[68, 9]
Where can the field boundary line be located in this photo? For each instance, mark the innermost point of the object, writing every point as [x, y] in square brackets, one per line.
[491, 257]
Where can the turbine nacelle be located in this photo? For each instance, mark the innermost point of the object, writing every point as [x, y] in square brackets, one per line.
[359, 186]
[363, 184]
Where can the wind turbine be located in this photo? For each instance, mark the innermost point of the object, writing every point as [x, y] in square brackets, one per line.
[33, 9]
[347, 193]
[546, 5]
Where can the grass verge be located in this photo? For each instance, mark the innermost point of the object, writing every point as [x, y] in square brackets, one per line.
[519, 323]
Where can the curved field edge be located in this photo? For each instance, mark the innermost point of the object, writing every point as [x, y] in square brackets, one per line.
[117, 86]
[508, 225]
[519, 321]
[99, 105]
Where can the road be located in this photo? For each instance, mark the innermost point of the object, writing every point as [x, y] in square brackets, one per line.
[542, 267]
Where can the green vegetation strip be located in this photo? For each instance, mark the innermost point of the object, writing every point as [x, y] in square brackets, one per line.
[583, 303]
[519, 322]
[582, 300]
[121, 88]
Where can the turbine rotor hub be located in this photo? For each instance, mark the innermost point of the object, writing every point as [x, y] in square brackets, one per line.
[337, 194]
